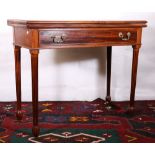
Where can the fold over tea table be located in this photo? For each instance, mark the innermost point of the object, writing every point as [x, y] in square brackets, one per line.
[37, 35]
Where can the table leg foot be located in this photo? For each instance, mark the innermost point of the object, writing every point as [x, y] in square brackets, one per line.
[19, 114]
[35, 131]
[107, 103]
[108, 99]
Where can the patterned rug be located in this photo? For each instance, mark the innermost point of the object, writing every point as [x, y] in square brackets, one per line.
[80, 122]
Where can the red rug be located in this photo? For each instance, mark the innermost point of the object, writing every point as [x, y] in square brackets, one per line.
[80, 122]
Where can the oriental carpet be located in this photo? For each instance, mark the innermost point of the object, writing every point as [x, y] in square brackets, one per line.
[80, 122]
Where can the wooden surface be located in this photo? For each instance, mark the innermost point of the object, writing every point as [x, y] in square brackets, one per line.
[30, 24]
[17, 53]
[36, 35]
[74, 34]
[90, 37]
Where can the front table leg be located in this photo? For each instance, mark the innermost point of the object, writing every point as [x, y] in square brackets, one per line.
[17, 53]
[134, 74]
[34, 67]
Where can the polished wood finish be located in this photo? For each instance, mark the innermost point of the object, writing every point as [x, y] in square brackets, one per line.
[36, 35]
[89, 37]
[75, 24]
[134, 74]
[109, 54]
[75, 33]
[17, 53]
[34, 68]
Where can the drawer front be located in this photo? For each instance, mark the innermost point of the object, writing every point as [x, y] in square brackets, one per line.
[57, 37]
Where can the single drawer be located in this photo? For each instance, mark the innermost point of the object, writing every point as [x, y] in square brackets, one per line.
[57, 37]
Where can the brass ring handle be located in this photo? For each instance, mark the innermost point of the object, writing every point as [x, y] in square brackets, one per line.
[124, 37]
[57, 39]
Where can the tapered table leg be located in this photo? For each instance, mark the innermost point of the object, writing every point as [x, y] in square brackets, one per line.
[134, 74]
[34, 67]
[17, 53]
[108, 97]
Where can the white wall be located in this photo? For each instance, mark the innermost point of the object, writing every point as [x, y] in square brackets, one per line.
[75, 74]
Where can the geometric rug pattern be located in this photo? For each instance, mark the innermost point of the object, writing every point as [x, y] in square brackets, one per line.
[80, 122]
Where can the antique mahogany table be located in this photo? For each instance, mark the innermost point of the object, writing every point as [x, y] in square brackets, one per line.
[36, 35]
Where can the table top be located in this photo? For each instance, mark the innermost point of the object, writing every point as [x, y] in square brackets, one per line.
[75, 24]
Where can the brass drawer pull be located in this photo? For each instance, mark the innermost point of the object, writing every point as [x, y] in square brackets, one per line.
[57, 39]
[124, 37]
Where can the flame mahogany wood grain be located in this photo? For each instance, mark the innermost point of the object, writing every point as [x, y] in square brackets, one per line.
[36, 35]
[83, 36]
